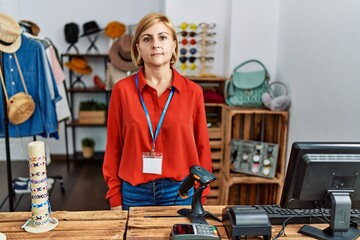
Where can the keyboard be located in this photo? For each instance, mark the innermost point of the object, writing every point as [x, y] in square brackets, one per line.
[278, 215]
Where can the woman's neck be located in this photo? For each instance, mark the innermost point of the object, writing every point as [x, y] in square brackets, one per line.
[160, 79]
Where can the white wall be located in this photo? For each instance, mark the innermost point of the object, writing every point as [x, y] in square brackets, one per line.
[318, 57]
[313, 46]
[253, 32]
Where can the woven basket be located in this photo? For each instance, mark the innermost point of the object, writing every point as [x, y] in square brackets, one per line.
[20, 108]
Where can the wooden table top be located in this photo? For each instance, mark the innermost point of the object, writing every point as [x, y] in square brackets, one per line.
[138, 223]
[72, 225]
[157, 222]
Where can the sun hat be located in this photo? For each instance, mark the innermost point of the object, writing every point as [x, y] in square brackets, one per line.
[10, 34]
[33, 27]
[90, 27]
[79, 65]
[71, 31]
[115, 29]
[120, 53]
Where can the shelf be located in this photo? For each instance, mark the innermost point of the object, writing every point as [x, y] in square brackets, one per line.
[214, 104]
[215, 117]
[75, 123]
[85, 55]
[98, 156]
[257, 124]
[86, 90]
[207, 79]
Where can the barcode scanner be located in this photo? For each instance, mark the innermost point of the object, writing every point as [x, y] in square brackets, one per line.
[203, 177]
[197, 174]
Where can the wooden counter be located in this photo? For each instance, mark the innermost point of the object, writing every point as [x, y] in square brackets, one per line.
[156, 223]
[72, 225]
[139, 223]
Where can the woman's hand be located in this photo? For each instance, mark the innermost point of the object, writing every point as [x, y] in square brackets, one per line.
[116, 208]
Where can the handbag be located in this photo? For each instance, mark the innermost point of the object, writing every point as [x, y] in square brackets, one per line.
[113, 75]
[246, 86]
[254, 157]
[21, 106]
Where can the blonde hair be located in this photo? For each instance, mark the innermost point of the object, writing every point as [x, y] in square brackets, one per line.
[145, 23]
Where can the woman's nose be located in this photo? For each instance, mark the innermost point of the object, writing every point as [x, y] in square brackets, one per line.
[156, 43]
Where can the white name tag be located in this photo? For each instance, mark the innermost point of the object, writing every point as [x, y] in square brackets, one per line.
[152, 163]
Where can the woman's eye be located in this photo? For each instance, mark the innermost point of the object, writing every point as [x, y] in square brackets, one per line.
[163, 37]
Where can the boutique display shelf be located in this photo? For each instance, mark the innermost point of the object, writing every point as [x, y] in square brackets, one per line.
[77, 156]
[98, 62]
[257, 124]
[215, 119]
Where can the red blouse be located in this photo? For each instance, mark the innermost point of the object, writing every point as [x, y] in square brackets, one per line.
[183, 138]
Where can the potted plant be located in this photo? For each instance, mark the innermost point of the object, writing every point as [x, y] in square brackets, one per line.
[92, 112]
[88, 145]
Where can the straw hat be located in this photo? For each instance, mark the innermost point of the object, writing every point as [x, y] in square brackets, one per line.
[10, 34]
[79, 65]
[120, 53]
[115, 29]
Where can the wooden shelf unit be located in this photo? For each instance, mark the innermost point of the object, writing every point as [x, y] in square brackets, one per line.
[256, 124]
[89, 92]
[215, 116]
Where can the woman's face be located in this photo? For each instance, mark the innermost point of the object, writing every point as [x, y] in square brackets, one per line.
[156, 45]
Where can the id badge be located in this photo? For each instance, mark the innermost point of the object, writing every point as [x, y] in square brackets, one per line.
[152, 162]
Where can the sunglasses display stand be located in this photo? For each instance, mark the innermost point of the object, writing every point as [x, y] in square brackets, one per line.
[195, 42]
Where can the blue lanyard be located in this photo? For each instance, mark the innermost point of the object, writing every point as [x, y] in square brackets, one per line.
[148, 116]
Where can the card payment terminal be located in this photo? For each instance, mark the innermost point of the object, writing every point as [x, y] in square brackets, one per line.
[194, 231]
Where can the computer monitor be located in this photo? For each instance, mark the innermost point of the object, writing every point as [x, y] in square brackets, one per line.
[324, 174]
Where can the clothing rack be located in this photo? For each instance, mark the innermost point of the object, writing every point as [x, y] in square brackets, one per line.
[7, 144]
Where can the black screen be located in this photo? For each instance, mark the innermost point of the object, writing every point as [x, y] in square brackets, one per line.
[315, 168]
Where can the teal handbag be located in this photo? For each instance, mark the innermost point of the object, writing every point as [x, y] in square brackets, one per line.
[247, 85]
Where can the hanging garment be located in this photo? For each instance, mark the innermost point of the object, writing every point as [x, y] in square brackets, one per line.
[62, 106]
[33, 64]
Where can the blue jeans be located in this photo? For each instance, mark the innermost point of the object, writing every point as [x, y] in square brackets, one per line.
[160, 192]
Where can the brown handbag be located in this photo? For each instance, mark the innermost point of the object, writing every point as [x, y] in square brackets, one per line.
[21, 106]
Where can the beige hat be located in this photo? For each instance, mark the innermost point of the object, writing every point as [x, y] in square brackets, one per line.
[10, 34]
[120, 53]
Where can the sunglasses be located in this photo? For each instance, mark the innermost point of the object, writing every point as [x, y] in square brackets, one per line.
[207, 43]
[207, 25]
[183, 59]
[206, 59]
[193, 34]
[184, 66]
[186, 42]
[184, 25]
[192, 51]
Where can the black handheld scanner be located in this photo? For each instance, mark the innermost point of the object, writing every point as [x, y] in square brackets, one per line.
[197, 174]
